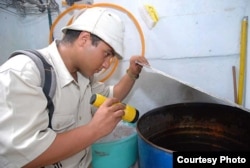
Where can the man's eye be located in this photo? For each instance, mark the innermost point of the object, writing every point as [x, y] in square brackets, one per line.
[107, 54]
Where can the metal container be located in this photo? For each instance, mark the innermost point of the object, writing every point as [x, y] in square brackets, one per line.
[190, 127]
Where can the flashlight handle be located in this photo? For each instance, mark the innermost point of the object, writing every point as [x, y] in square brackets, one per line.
[131, 114]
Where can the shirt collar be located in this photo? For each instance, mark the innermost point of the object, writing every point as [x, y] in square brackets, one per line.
[63, 75]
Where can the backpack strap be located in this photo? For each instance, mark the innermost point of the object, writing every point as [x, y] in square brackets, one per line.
[47, 74]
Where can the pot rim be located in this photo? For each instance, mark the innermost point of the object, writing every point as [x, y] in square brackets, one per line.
[154, 145]
[150, 112]
[122, 139]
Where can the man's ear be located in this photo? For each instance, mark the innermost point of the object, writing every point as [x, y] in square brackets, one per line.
[84, 37]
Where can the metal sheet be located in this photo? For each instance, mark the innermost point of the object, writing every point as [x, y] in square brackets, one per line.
[166, 90]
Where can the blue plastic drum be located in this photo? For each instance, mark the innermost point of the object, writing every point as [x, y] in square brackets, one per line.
[190, 127]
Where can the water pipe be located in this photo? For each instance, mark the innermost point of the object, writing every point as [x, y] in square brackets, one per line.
[49, 13]
[243, 51]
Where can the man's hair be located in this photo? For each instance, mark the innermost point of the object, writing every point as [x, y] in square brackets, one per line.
[71, 35]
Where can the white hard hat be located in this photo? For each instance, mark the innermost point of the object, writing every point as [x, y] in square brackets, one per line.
[102, 23]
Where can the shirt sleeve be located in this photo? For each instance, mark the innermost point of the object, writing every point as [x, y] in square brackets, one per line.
[24, 133]
[102, 89]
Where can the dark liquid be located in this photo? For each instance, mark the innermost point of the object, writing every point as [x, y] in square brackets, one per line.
[181, 141]
[197, 127]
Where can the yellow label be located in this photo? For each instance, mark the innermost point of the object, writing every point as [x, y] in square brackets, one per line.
[152, 12]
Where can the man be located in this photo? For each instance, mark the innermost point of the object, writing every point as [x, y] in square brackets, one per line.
[95, 37]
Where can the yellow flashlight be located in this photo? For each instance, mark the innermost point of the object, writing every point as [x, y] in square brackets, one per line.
[131, 114]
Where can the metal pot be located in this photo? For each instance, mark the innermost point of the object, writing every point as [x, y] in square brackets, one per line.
[190, 127]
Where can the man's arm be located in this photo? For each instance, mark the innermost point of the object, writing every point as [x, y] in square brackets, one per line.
[69, 143]
[123, 87]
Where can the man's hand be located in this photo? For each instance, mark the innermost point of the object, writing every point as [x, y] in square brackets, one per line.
[107, 116]
[134, 68]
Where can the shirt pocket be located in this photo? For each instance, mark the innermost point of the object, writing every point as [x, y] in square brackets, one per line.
[61, 123]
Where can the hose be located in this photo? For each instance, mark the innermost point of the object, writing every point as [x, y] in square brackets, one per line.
[117, 7]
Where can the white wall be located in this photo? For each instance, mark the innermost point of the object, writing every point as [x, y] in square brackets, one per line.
[196, 41]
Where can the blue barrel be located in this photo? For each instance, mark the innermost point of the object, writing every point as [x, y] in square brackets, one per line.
[190, 127]
[150, 156]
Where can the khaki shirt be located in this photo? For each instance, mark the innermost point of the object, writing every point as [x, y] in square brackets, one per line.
[24, 118]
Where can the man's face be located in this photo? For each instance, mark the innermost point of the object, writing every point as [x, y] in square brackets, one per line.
[94, 58]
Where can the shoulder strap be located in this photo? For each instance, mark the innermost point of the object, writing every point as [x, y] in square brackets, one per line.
[48, 80]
